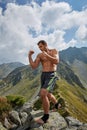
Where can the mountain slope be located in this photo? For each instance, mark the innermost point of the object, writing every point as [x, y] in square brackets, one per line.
[25, 72]
[22, 80]
[77, 59]
[67, 73]
[80, 68]
[26, 82]
[6, 68]
[72, 53]
[75, 98]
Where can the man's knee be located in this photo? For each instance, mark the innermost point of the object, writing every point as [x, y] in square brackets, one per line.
[43, 92]
[49, 95]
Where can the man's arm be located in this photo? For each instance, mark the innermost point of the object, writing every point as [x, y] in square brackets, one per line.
[54, 57]
[34, 64]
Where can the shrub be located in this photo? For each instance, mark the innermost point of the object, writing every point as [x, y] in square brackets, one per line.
[16, 100]
[4, 105]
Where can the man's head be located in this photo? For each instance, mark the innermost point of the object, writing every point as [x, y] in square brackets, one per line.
[42, 45]
[42, 41]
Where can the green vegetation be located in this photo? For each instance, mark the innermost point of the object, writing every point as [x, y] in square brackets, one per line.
[74, 99]
[25, 82]
[16, 100]
[4, 105]
[8, 102]
[6, 68]
[24, 88]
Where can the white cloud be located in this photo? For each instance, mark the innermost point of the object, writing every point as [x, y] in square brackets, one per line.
[14, 27]
[52, 12]
[72, 43]
[81, 33]
[54, 40]
[21, 27]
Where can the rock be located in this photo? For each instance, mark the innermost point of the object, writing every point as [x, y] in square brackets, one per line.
[27, 107]
[23, 116]
[71, 128]
[56, 121]
[83, 127]
[24, 119]
[7, 124]
[14, 117]
[26, 122]
[73, 122]
[2, 127]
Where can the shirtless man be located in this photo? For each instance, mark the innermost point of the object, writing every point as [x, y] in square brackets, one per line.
[49, 59]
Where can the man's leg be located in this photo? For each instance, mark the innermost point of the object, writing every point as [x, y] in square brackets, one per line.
[46, 106]
[52, 98]
[45, 100]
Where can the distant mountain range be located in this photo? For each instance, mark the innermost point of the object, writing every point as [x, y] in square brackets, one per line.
[6, 68]
[72, 53]
[72, 66]
[76, 58]
[17, 78]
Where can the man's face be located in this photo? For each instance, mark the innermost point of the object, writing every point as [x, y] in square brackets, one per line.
[42, 47]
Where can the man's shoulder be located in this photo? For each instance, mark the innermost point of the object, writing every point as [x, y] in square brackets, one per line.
[39, 55]
[54, 50]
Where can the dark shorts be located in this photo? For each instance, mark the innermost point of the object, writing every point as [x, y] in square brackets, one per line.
[48, 80]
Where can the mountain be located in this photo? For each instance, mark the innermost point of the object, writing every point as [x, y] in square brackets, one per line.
[6, 68]
[77, 59]
[69, 55]
[22, 81]
[25, 81]
[25, 72]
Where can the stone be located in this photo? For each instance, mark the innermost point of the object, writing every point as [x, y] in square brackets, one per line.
[2, 127]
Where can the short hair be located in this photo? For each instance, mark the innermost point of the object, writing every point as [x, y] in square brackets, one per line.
[42, 41]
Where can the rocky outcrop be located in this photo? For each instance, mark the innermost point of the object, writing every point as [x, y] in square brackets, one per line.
[24, 119]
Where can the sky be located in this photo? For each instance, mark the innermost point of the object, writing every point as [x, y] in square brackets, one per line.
[61, 23]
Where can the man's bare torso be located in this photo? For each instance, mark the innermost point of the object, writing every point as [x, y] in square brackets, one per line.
[47, 65]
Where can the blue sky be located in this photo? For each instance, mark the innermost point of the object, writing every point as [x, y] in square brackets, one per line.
[76, 4]
[62, 23]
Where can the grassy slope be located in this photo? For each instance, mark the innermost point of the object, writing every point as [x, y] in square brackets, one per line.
[22, 88]
[6, 68]
[80, 68]
[73, 96]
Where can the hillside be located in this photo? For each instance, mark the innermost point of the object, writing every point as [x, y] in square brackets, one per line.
[25, 81]
[6, 68]
[72, 53]
[75, 98]
[76, 58]
[72, 70]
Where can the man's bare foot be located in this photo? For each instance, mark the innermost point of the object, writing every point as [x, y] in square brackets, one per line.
[57, 108]
[60, 104]
[43, 119]
[40, 121]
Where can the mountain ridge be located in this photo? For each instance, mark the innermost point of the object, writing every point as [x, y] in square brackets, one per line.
[25, 81]
[6, 68]
[76, 58]
[73, 53]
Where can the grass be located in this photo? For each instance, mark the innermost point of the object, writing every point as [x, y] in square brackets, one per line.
[73, 98]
